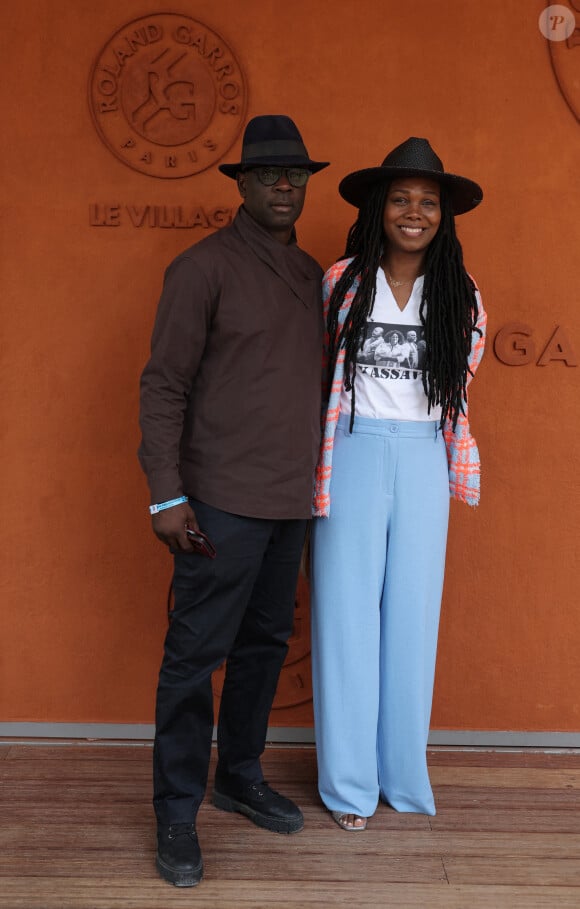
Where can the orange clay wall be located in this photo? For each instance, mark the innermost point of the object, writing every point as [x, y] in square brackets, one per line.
[89, 223]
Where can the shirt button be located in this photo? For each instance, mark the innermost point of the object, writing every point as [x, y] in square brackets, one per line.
[394, 428]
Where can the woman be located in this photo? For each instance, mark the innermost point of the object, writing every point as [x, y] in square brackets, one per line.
[391, 352]
[396, 444]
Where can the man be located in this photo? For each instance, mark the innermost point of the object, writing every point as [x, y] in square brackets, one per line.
[371, 344]
[421, 349]
[230, 419]
[411, 351]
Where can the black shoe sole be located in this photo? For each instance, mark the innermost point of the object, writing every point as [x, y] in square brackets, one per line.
[277, 825]
[179, 878]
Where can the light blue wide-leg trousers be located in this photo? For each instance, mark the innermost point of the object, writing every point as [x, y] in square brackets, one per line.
[377, 577]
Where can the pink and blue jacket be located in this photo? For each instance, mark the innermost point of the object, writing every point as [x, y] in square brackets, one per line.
[462, 453]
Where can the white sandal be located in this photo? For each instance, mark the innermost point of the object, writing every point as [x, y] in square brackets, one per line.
[341, 816]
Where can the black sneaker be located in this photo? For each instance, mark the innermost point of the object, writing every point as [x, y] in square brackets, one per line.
[179, 858]
[262, 805]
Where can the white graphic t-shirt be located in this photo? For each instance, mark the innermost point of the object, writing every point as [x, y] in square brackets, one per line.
[389, 368]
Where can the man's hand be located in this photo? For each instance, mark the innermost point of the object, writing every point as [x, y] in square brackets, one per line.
[169, 526]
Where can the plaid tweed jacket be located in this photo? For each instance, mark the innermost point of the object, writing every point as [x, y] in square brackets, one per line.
[462, 453]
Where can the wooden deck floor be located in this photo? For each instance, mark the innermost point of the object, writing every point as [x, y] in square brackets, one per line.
[76, 832]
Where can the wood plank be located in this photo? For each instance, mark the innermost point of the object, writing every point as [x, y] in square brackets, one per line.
[524, 847]
[138, 837]
[527, 757]
[211, 894]
[524, 820]
[508, 777]
[276, 754]
[233, 864]
[511, 870]
[74, 751]
[538, 799]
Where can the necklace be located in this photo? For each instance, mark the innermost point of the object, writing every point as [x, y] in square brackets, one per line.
[394, 283]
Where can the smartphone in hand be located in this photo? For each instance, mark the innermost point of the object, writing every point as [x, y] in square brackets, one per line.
[200, 543]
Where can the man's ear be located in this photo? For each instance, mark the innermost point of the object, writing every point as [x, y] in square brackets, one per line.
[241, 180]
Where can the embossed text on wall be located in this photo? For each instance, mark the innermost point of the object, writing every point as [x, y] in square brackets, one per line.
[167, 95]
[514, 345]
[106, 214]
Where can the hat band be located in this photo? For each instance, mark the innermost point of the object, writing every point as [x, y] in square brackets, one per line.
[277, 148]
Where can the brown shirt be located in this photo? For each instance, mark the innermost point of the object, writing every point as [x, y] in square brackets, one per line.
[230, 398]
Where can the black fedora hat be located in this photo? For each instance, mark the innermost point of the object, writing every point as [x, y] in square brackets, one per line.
[272, 139]
[414, 157]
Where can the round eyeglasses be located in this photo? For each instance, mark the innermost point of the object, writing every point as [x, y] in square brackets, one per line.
[269, 175]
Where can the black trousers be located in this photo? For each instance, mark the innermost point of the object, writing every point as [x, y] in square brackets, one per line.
[238, 606]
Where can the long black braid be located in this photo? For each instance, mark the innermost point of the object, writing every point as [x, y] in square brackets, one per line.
[448, 309]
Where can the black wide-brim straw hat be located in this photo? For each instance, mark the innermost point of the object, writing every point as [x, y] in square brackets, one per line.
[272, 139]
[412, 158]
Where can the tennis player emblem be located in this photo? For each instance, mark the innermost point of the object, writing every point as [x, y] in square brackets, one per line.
[167, 95]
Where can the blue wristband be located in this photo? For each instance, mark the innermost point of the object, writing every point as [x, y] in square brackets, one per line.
[153, 509]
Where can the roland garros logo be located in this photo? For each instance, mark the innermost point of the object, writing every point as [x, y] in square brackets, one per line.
[167, 95]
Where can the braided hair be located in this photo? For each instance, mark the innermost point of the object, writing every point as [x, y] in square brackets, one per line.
[448, 309]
